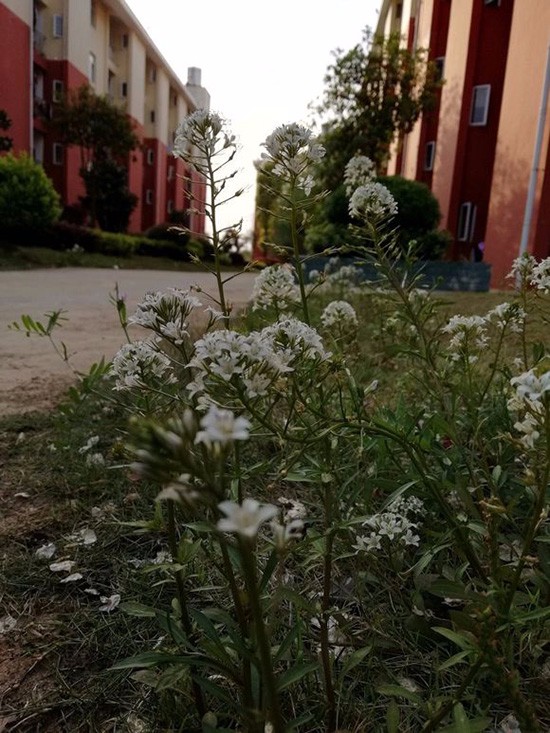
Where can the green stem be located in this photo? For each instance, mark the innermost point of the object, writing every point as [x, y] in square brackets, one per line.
[296, 258]
[325, 642]
[182, 601]
[249, 568]
[216, 241]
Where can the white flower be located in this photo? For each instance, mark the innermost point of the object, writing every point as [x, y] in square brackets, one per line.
[276, 287]
[293, 150]
[540, 277]
[135, 362]
[339, 313]
[222, 427]
[245, 519]
[109, 603]
[522, 270]
[372, 201]
[529, 385]
[284, 534]
[201, 136]
[359, 171]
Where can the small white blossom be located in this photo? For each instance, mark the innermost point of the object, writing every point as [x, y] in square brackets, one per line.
[275, 287]
[540, 277]
[359, 171]
[136, 362]
[222, 427]
[293, 150]
[372, 201]
[339, 313]
[522, 270]
[245, 519]
[201, 136]
[109, 603]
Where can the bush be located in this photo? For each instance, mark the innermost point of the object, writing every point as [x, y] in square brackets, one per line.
[28, 199]
[418, 210]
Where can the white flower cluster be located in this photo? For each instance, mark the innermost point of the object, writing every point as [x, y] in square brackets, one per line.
[166, 313]
[200, 136]
[528, 404]
[275, 287]
[245, 519]
[338, 274]
[293, 150]
[256, 360]
[339, 313]
[393, 525]
[372, 201]
[359, 171]
[469, 333]
[526, 271]
[136, 362]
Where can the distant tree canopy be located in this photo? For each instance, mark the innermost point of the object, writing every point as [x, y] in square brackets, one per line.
[105, 136]
[374, 93]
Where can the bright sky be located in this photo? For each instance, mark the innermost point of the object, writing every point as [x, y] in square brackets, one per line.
[262, 63]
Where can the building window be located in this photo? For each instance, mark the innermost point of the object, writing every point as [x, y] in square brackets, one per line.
[480, 105]
[38, 147]
[57, 21]
[57, 154]
[92, 68]
[152, 76]
[125, 40]
[150, 156]
[466, 222]
[152, 115]
[429, 156]
[149, 196]
[93, 14]
[170, 206]
[439, 68]
[57, 90]
[496, 3]
[170, 174]
[124, 89]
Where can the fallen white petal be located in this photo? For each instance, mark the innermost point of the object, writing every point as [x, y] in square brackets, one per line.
[22, 495]
[71, 578]
[88, 536]
[62, 567]
[110, 603]
[46, 552]
[91, 591]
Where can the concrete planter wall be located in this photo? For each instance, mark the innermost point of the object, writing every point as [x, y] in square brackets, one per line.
[466, 276]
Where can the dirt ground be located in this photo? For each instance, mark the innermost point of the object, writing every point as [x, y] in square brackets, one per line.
[32, 376]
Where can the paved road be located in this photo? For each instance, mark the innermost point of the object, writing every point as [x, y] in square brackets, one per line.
[31, 375]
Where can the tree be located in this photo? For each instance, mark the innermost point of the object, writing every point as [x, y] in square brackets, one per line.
[105, 136]
[6, 143]
[373, 93]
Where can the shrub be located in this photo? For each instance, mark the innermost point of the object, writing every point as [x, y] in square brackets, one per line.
[417, 209]
[28, 199]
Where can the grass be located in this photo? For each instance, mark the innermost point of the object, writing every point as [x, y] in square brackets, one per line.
[61, 650]
[26, 258]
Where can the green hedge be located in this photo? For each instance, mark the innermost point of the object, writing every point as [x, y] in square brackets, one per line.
[62, 236]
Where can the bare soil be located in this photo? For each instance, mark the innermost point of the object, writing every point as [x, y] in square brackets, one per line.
[32, 375]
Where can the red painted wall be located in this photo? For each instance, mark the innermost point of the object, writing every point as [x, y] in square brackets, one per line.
[135, 179]
[15, 91]
[430, 120]
[475, 154]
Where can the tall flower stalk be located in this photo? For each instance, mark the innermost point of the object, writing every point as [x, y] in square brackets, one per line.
[204, 143]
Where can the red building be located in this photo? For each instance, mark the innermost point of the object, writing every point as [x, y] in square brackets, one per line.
[50, 47]
[476, 150]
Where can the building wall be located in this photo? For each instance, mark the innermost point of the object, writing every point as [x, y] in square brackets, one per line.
[527, 53]
[15, 79]
[124, 56]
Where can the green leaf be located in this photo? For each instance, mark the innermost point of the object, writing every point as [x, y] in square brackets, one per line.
[133, 608]
[461, 719]
[398, 691]
[355, 658]
[455, 659]
[459, 639]
[296, 673]
[393, 717]
[148, 659]
[268, 571]
[452, 589]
